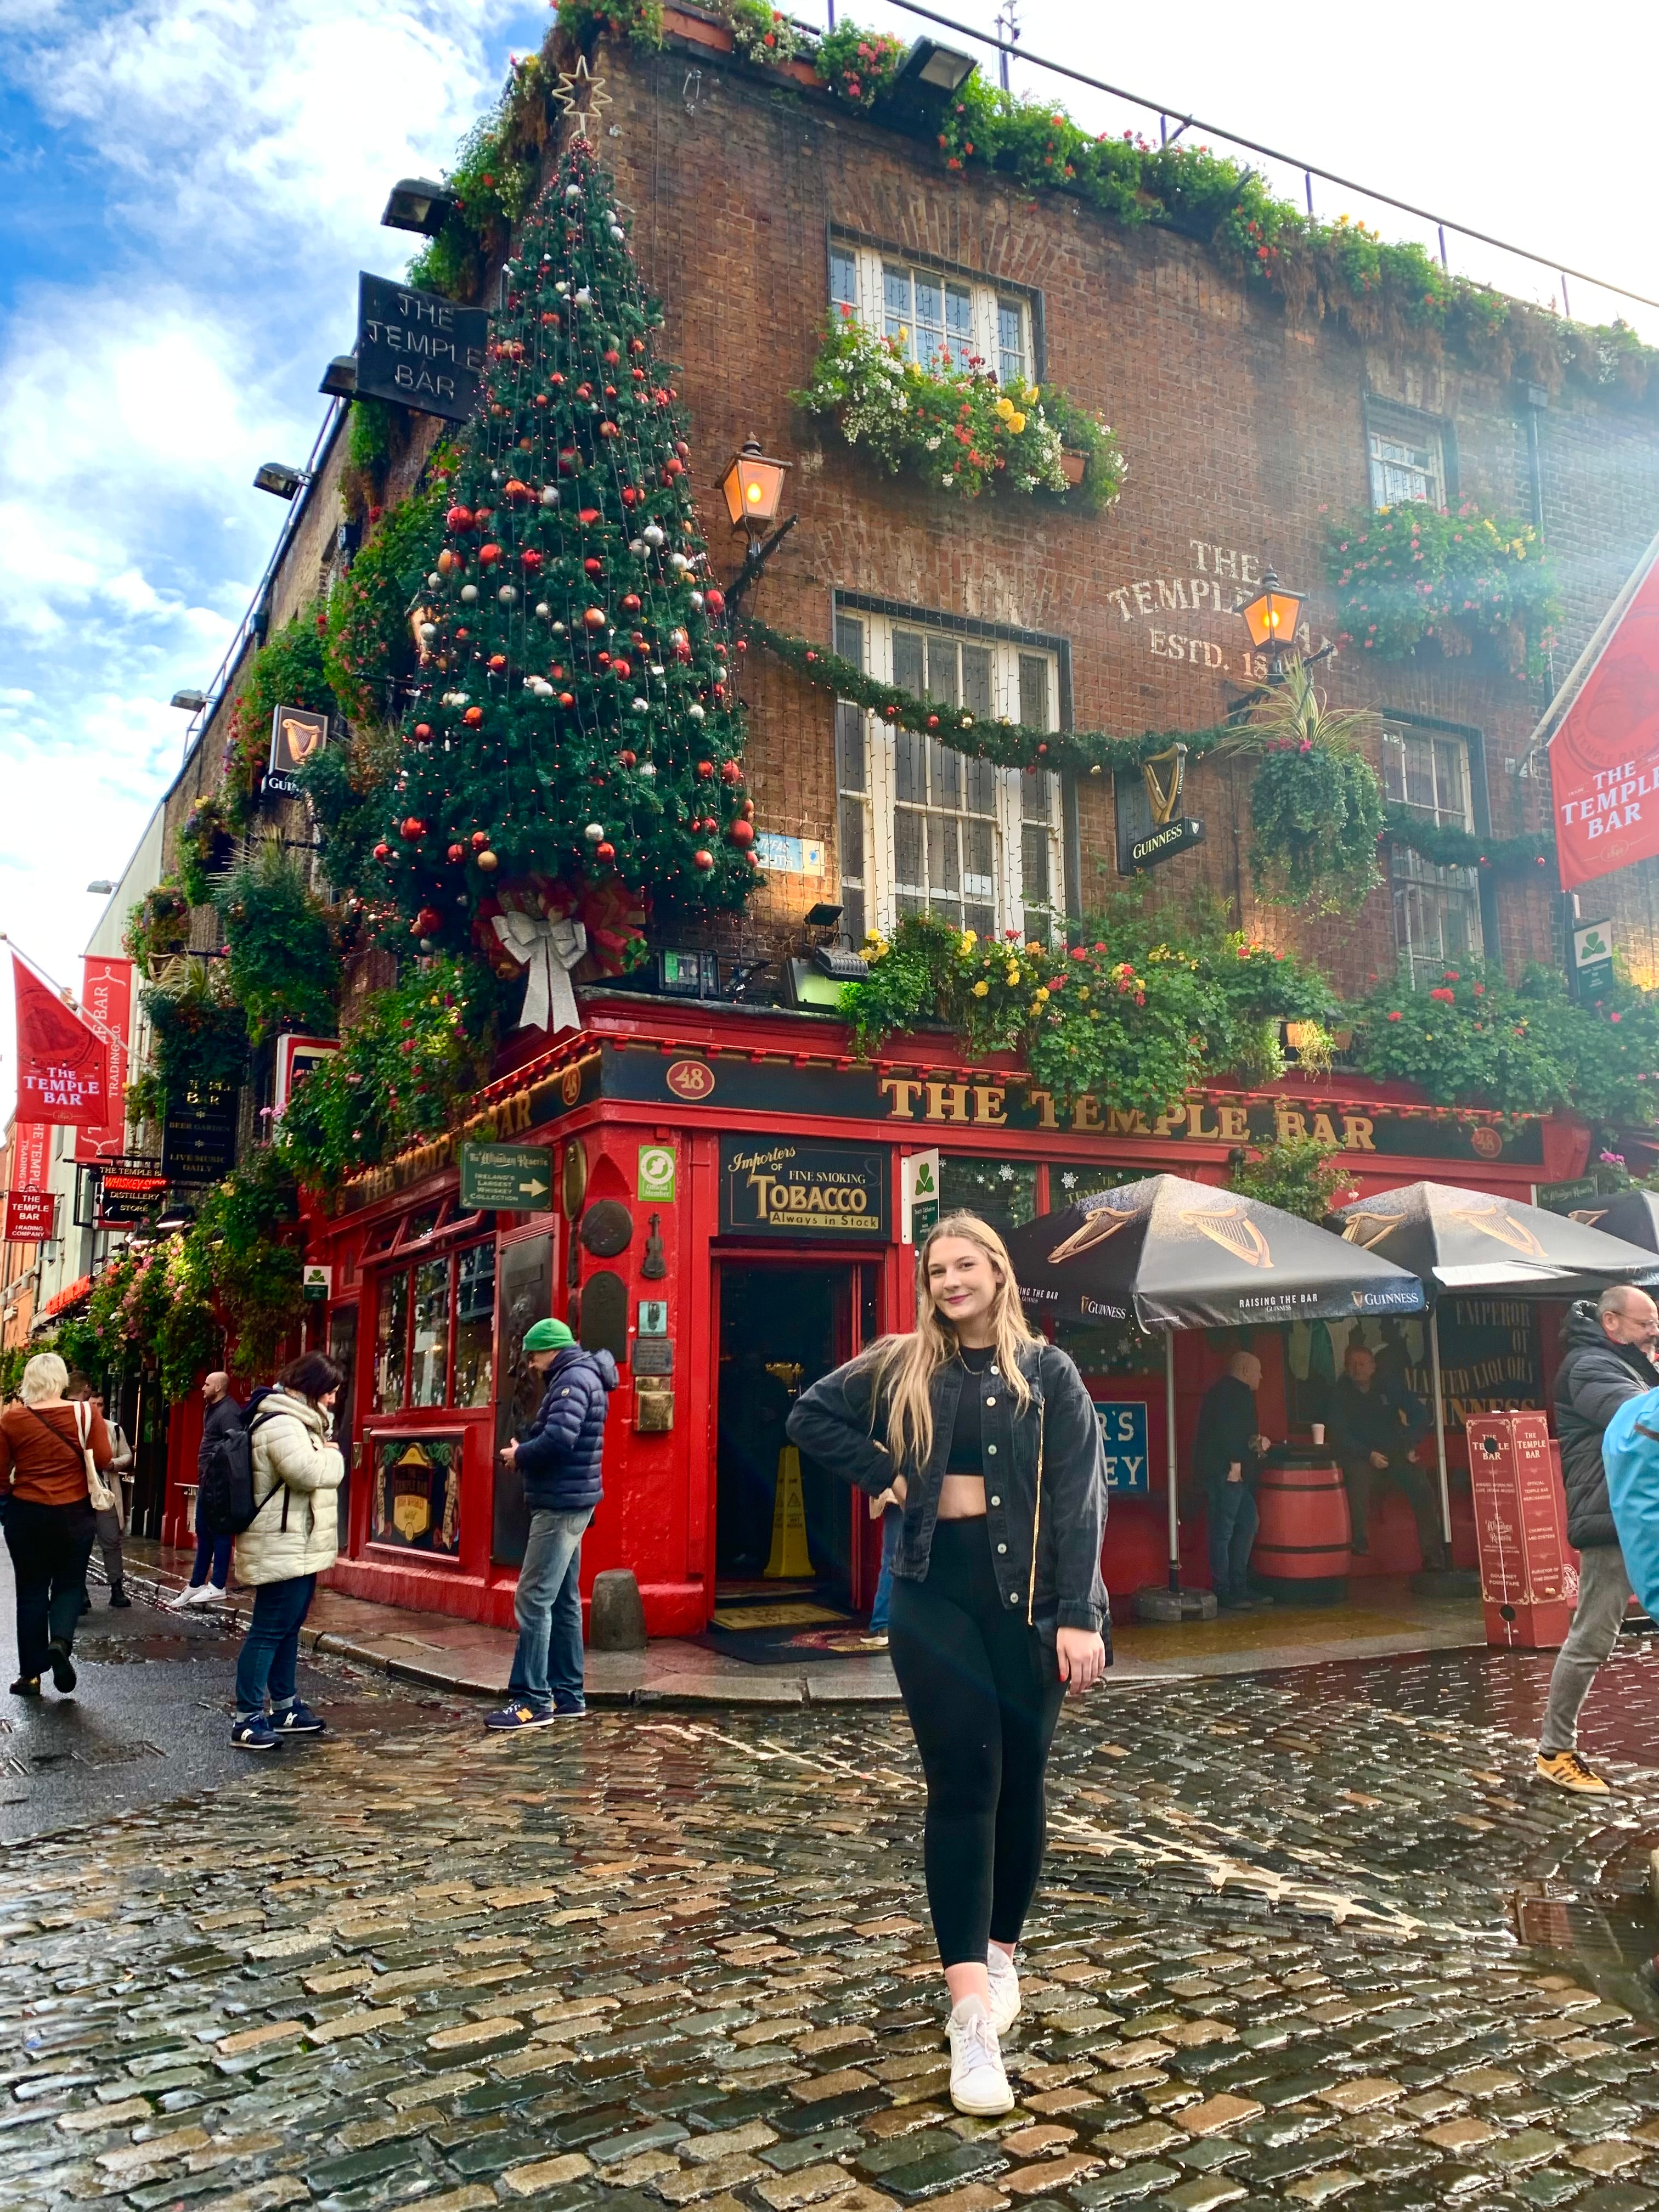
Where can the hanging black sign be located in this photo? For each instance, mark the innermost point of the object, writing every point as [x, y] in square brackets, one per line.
[199, 1137]
[418, 350]
[782, 1189]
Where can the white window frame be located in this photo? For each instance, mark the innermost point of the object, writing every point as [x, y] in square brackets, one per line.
[1396, 426]
[1022, 802]
[868, 301]
[1416, 886]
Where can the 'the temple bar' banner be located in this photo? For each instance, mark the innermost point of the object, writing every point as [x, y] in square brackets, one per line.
[1604, 755]
[62, 1075]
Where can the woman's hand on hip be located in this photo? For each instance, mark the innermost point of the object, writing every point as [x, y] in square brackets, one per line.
[1081, 1653]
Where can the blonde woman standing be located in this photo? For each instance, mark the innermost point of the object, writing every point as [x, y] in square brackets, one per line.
[46, 1502]
[985, 1438]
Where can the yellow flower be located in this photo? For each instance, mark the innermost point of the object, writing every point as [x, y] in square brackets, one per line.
[1039, 997]
[1013, 975]
[1034, 948]
[1016, 421]
[1082, 991]
[981, 989]
[969, 939]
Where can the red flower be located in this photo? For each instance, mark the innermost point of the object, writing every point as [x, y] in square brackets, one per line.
[1395, 1016]
[1448, 997]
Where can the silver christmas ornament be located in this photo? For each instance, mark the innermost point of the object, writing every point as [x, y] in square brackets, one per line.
[551, 496]
[508, 595]
[543, 609]
[594, 833]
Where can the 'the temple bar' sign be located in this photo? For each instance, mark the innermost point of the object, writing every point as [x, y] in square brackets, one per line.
[418, 350]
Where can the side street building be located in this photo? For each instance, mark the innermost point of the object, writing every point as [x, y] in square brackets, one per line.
[757, 205]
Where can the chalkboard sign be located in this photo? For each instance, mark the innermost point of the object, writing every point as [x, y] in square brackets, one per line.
[418, 350]
[198, 1136]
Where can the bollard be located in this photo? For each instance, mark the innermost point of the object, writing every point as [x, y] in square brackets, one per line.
[615, 1616]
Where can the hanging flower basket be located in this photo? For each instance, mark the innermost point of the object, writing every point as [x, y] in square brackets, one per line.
[1073, 465]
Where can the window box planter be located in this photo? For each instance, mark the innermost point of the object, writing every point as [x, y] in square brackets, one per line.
[1074, 465]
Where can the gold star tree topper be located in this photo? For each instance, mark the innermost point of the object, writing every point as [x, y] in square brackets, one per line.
[581, 95]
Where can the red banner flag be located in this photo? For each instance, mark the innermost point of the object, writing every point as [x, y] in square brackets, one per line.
[106, 995]
[31, 1156]
[61, 1075]
[1604, 758]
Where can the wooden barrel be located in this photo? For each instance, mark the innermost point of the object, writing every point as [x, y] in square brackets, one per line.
[1302, 1549]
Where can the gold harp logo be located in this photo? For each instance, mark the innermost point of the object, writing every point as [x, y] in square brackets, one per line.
[1493, 1221]
[1164, 791]
[1369, 1229]
[1586, 1216]
[301, 735]
[1233, 1230]
[1101, 1224]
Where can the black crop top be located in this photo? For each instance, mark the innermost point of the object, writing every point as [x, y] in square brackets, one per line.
[967, 1456]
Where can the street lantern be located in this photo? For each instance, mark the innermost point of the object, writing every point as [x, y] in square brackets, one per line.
[418, 204]
[754, 489]
[1273, 616]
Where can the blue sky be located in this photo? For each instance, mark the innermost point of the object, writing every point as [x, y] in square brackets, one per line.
[190, 187]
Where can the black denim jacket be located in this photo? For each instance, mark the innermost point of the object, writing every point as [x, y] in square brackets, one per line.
[1045, 1528]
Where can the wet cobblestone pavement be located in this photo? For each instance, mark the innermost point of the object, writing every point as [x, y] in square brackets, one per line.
[653, 1960]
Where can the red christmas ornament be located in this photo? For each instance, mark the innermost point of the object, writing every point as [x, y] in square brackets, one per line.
[621, 668]
[602, 659]
[497, 662]
[682, 449]
[428, 920]
[480, 839]
[604, 850]
[732, 771]
[742, 834]
[700, 859]
[705, 768]
[473, 717]
[595, 618]
[593, 565]
[611, 356]
[636, 345]
[423, 730]
[460, 519]
[488, 555]
[566, 699]
[587, 516]
[610, 430]
[631, 603]
[414, 828]
[514, 489]
[567, 462]
[531, 561]
[631, 497]
[448, 561]
[932, 721]
[715, 602]
[626, 758]
[383, 852]
[457, 853]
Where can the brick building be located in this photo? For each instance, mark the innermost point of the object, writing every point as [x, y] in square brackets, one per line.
[755, 203]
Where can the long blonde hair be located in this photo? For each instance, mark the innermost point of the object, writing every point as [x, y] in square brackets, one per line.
[904, 1366]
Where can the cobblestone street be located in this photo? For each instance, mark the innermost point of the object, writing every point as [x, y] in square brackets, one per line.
[658, 1960]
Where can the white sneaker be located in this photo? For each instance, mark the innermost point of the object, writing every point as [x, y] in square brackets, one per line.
[978, 2084]
[207, 1594]
[1005, 1989]
[181, 1598]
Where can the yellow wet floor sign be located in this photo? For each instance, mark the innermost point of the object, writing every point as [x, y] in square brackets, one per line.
[790, 1561]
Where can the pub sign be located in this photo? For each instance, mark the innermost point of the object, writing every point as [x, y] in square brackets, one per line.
[780, 1187]
[418, 350]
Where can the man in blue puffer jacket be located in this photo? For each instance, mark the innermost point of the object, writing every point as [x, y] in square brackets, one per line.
[560, 1462]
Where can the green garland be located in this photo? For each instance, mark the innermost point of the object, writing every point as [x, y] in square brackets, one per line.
[1009, 744]
[1443, 847]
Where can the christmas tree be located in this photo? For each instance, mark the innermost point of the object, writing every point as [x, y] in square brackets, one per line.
[571, 760]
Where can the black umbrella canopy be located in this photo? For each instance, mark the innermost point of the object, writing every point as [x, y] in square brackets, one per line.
[1179, 1254]
[1470, 1239]
[1633, 1217]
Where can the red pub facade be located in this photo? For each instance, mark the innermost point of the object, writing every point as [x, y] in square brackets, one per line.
[722, 1211]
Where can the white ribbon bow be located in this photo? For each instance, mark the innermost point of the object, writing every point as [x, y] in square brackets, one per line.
[547, 950]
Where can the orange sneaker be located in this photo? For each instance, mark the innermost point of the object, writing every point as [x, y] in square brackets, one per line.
[1568, 1772]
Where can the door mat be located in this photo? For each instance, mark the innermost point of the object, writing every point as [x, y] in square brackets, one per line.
[796, 1634]
[797, 1613]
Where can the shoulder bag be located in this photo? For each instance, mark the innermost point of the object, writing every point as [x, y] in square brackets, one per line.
[100, 1497]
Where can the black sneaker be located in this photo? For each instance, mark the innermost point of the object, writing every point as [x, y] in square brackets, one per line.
[117, 1597]
[63, 1668]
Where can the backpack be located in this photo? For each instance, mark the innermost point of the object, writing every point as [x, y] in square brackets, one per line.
[224, 1496]
[1630, 1454]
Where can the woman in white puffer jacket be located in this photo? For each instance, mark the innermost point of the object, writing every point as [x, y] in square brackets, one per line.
[292, 1538]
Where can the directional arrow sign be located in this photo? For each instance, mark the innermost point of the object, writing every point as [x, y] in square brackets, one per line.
[513, 1178]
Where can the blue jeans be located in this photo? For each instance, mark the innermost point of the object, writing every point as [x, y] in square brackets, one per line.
[892, 1521]
[271, 1649]
[1233, 1523]
[212, 1560]
[547, 1666]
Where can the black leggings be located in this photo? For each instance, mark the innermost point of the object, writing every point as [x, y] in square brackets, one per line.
[983, 1698]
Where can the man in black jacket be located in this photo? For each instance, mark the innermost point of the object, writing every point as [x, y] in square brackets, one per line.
[1375, 1426]
[1226, 1459]
[1609, 1358]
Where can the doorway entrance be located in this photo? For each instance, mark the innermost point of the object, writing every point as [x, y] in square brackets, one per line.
[783, 1325]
